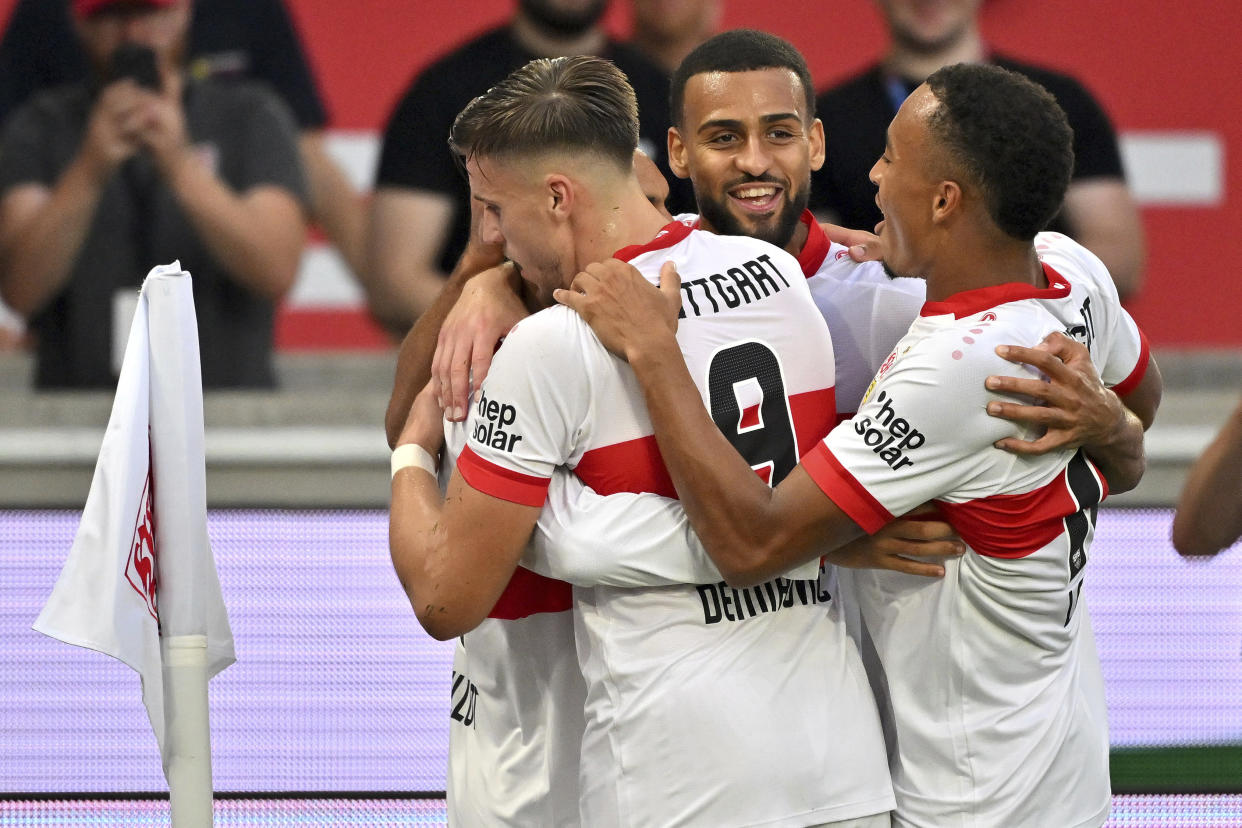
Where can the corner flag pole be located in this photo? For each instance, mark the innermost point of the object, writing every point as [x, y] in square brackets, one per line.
[140, 583]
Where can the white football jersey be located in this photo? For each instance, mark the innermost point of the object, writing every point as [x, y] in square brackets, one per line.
[517, 697]
[756, 689]
[992, 674]
[867, 311]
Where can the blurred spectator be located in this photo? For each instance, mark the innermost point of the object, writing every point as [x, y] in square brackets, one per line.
[1098, 211]
[104, 178]
[1209, 514]
[228, 39]
[420, 217]
[12, 330]
[668, 30]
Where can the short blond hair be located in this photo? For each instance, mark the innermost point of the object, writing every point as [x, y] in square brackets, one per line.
[577, 104]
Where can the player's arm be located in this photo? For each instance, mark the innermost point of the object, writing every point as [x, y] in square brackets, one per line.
[617, 540]
[916, 534]
[455, 554]
[1209, 513]
[459, 346]
[751, 531]
[589, 539]
[1075, 408]
[435, 339]
[415, 358]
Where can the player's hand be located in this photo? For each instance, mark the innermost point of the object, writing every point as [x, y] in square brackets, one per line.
[425, 424]
[1072, 406]
[486, 311]
[895, 546]
[864, 246]
[626, 311]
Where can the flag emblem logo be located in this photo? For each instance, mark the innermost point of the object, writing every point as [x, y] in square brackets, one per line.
[141, 569]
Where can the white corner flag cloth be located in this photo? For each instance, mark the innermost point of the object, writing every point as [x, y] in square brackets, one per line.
[141, 566]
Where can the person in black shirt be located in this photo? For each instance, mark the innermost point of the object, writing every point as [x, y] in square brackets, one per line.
[1098, 210]
[420, 216]
[228, 40]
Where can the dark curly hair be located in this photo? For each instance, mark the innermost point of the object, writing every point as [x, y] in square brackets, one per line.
[1009, 137]
[740, 50]
[581, 104]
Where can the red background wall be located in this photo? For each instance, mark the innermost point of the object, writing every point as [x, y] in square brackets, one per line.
[1154, 65]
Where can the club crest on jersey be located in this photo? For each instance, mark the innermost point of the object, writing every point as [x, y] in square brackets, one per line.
[888, 363]
[493, 426]
[887, 435]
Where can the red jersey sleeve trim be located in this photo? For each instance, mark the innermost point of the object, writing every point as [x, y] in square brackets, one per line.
[815, 248]
[1140, 369]
[669, 235]
[970, 302]
[844, 489]
[497, 481]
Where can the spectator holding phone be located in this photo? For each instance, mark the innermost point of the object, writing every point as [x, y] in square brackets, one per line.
[140, 165]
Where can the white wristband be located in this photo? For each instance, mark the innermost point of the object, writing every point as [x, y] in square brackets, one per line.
[412, 455]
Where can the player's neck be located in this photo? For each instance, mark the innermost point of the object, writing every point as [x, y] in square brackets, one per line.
[907, 61]
[983, 264]
[544, 43]
[633, 221]
[798, 240]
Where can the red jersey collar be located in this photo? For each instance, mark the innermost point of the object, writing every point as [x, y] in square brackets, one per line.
[814, 249]
[970, 302]
[669, 235]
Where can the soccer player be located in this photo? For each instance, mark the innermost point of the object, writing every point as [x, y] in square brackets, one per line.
[729, 685]
[997, 700]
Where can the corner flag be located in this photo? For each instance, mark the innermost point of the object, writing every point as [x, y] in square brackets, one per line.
[140, 583]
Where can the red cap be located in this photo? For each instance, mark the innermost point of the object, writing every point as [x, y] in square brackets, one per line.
[86, 8]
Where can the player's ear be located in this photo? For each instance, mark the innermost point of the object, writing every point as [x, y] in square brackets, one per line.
[946, 200]
[558, 193]
[677, 161]
[818, 145]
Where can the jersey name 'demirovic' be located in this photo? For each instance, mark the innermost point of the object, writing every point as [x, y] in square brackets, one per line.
[517, 697]
[992, 673]
[705, 704]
